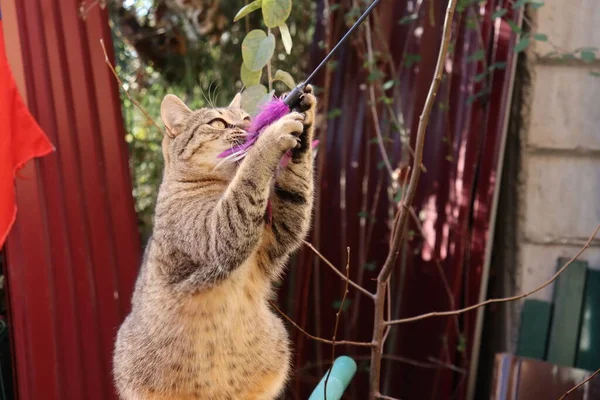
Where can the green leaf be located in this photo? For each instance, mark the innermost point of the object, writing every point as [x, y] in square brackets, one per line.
[478, 55]
[363, 214]
[389, 84]
[286, 38]
[370, 266]
[257, 49]
[247, 9]
[285, 78]
[275, 12]
[480, 77]
[411, 59]
[513, 26]
[462, 343]
[497, 65]
[522, 45]
[536, 4]
[336, 112]
[375, 75]
[541, 37]
[338, 303]
[398, 196]
[250, 78]
[499, 13]
[381, 165]
[595, 73]
[519, 3]
[252, 97]
[407, 19]
[588, 56]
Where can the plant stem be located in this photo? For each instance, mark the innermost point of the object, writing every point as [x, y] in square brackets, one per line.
[380, 295]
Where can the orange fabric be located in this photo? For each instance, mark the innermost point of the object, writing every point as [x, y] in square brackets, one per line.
[21, 139]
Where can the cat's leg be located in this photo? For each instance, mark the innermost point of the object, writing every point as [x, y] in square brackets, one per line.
[209, 239]
[292, 197]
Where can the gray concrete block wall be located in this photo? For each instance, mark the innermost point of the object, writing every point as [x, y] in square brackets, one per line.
[559, 182]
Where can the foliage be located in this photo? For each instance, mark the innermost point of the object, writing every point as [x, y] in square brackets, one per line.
[258, 49]
[199, 65]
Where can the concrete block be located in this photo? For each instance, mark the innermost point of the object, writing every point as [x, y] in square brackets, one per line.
[569, 24]
[539, 264]
[562, 197]
[564, 112]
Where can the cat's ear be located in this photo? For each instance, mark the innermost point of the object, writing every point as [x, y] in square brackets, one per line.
[237, 101]
[173, 112]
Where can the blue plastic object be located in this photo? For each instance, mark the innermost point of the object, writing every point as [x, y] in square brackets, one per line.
[342, 372]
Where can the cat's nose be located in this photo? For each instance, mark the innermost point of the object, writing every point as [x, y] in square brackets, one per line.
[245, 125]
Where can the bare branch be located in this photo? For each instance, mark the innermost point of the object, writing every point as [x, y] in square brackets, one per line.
[318, 339]
[135, 102]
[501, 300]
[400, 225]
[589, 378]
[337, 322]
[381, 396]
[330, 265]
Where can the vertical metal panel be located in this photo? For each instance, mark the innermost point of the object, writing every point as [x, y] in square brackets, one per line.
[444, 269]
[74, 251]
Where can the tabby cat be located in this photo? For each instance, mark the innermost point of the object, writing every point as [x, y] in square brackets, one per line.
[201, 326]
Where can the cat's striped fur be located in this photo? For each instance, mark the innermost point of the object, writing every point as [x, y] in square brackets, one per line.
[200, 325]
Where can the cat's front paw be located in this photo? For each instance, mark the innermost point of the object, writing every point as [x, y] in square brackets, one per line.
[286, 131]
[308, 106]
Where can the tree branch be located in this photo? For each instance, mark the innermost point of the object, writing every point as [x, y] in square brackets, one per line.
[330, 265]
[337, 322]
[399, 229]
[318, 339]
[501, 300]
[589, 378]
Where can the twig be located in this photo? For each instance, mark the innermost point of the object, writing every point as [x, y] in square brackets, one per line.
[589, 378]
[135, 103]
[318, 339]
[330, 265]
[337, 322]
[504, 299]
[373, 105]
[390, 262]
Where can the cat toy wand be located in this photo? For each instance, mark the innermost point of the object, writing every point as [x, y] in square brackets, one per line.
[277, 108]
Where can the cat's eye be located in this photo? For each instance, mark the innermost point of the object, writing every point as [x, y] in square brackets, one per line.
[218, 123]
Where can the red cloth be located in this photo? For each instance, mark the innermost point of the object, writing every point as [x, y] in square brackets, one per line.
[21, 139]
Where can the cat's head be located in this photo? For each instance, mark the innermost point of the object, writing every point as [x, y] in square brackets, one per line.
[195, 139]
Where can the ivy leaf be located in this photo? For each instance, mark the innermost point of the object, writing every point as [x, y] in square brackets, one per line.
[541, 37]
[588, 56]
[275, 12]
[247, 9]
[250, 78]
[285, 78]
[522, 45]
[286, 38]
[257, 49]
[478, 55]
[499, 13]
[252, 97]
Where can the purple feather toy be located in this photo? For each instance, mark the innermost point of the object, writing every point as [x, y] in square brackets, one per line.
[277, 108]
[270, 113]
